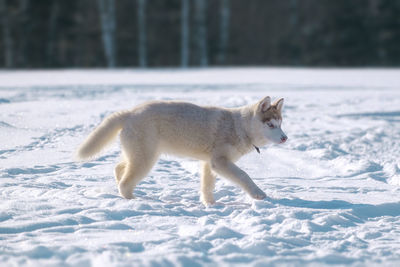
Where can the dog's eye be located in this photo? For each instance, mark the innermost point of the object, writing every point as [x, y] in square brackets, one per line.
[270, 125]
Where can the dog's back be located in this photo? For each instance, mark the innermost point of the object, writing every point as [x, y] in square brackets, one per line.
[181, 128]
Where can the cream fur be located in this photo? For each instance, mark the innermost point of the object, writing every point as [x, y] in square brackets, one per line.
[216, 136]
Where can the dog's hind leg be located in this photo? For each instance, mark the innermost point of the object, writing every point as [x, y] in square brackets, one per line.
[119, 171]
[140, 154]
[207, 184]
[135, 170]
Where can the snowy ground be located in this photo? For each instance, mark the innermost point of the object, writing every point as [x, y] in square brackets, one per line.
[334, 187]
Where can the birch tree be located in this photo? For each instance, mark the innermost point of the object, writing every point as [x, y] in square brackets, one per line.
[108, 25]
[22, 17]
[201, 31]
[185, 38]
[142, 53]
[224, 31]
[7, 37]
[295, 33]
[52, 31]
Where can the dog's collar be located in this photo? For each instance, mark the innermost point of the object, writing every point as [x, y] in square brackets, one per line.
[250, 141]
[257, 149]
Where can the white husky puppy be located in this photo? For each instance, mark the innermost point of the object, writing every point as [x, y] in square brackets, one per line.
[216, 136]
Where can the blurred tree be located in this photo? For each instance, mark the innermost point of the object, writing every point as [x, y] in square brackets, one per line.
[142, 33]
[295, 32]
[52, 32]
[201, 32]
[55, 33]
[23, 24]
[7, 37]
[108, 26]
[388, 39]
[185, 33]
[350, 40]
[291, 30]
[224, 31]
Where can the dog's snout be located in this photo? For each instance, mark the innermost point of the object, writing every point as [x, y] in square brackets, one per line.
[283, 139]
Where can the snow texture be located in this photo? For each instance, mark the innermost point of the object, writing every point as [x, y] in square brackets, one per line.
[333, 188]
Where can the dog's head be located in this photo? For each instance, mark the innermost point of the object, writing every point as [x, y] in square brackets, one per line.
[267, 121]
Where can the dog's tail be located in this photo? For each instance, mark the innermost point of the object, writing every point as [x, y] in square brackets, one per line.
[101, 136]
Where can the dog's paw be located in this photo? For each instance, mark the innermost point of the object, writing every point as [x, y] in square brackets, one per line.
[125, 193]
[208, 201]
[258, 194]
[128, 196]
[209, 204]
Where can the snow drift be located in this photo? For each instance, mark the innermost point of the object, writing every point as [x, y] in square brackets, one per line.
[333, 189]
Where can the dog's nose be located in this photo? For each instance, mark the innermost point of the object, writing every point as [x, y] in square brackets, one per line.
[283, 139]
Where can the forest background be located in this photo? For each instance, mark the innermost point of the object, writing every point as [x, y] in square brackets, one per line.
[198, 33]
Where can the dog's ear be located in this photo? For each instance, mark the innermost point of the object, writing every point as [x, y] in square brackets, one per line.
[264, 104]
[279, 104]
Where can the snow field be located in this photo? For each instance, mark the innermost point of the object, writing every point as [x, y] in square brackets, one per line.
[333, 188]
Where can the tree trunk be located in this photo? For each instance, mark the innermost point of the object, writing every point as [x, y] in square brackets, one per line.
[201, 31]
[185, 33]
[52, 32]
[7, 37]
[108, 21]
[224, 31]
[142, 53]
[23, 33]
[295, 35]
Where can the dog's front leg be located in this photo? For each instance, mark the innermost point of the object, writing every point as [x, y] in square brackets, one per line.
[207, 184]
[226, 168]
